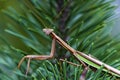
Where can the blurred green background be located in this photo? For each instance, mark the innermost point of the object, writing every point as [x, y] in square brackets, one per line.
[86, 25]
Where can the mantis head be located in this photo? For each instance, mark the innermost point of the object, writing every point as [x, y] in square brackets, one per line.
[47, 30]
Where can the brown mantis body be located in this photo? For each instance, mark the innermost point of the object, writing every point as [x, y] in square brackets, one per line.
[83, 58]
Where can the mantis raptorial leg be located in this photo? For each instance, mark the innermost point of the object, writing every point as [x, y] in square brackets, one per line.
[38, 57]
[28, 65]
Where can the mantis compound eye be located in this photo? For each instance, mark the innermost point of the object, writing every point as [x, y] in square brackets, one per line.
[47, 30]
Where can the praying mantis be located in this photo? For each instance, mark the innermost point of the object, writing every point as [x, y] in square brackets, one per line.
[82, 57]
